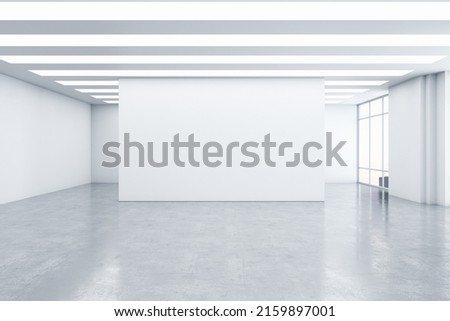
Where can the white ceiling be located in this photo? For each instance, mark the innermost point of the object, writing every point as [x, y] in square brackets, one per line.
[50, 43]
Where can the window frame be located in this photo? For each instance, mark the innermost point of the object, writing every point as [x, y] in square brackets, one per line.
[383, 161]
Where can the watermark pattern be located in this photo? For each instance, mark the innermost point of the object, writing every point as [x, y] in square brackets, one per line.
[214, 154]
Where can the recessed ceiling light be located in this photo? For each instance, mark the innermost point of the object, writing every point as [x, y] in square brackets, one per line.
[332, 101]
[345, 90]
[99, 90]
[226, 11]
[355, 82]
[106, 96]
[220, 73]
[88, 82]
[111, 101]
[316, 40]
[338, 96]
[328, 83]
[99, 59]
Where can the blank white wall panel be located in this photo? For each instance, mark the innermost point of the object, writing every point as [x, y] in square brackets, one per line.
[222, 110]
[45, 141]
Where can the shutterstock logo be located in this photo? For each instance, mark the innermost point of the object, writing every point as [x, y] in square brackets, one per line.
[214, 154]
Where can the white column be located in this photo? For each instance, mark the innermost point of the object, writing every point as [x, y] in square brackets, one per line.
[443, 139]
[419, 139]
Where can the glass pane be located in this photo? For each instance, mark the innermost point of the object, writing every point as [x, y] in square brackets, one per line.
[364, 176]
[386, 142]
[376, 140]
[376, 178]
[364, 110]
[364, 142]
[386, 104]
[376, 107]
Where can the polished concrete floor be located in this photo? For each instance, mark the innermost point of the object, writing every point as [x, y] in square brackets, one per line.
[81, 244]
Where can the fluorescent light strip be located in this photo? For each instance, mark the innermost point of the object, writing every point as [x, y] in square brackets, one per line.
[330, 83]
[220, 73]
[98, 91]
[106, 96]
[338, 96]
[320, 40]
[326, 96]
[221, 59]
[332, 101]
[344, 91]
[111, 101]
[225, 11]
[88, 82]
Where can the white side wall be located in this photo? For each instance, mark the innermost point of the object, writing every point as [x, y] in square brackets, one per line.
[105, 128]
[45, 141]
[406, 134]
[341, 121]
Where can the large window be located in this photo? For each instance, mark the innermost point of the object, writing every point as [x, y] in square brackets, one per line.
[373, 134]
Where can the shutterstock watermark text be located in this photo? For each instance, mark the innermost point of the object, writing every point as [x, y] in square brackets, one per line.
[185, 152]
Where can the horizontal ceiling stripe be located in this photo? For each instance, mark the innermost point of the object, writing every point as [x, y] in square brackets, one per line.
[224, 27]
[348, 40]
[308, 11]
[328, 83]
[188, 73]
[228, 59]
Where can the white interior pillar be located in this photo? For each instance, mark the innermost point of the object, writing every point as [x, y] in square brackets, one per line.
[443, 139]
[419, 139]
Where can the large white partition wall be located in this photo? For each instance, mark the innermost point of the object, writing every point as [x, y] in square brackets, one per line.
[419, 146]
[235, 111]
[45, 141]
